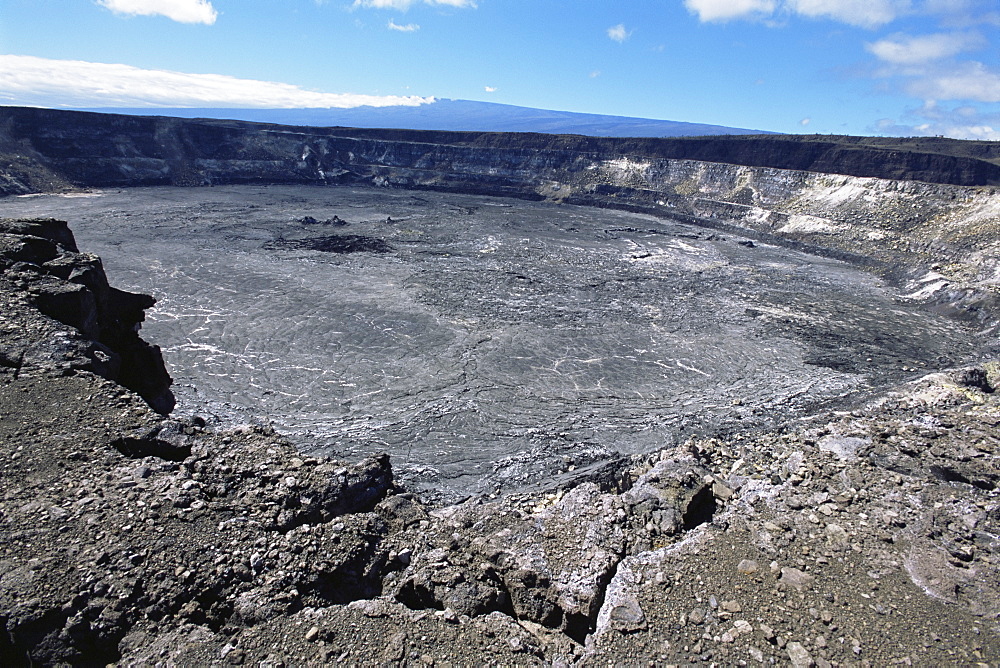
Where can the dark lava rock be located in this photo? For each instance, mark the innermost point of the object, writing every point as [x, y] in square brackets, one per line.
[336, 221]
[86, 149]
[72, 288]
[337, 243]
[974, 377]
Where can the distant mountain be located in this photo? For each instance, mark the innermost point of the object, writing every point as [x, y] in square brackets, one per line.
[455, 115]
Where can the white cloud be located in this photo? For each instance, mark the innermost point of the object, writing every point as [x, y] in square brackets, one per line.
[725, 10]
[943, 128]
[595, 73]
[905, 50]
[974, 132]
[924, 67]
[964, 81]
[961, 122]
[403, 5]
[805, 121]
[961, 13]
[409, 27]
[618, 33]
[864, 13]
[31, 81]
[182, 11]
[490, 89]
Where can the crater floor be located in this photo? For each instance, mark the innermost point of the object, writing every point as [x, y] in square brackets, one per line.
[486, 343]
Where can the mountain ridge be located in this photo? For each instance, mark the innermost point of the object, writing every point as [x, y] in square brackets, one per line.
[451, 115]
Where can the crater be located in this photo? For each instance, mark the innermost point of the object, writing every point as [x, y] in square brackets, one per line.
[489, 347]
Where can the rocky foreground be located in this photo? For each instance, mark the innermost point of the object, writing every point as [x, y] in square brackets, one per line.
[867, 537]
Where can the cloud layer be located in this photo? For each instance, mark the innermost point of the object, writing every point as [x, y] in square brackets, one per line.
[725, 10]
[183, 11]
[864, 13]
[963, 81]
[927, 67]
[26, 80]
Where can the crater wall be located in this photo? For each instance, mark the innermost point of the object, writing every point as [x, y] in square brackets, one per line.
[925, 211]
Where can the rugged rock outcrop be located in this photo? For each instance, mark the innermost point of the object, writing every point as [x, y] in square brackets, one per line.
[857, 537]
[40, 258]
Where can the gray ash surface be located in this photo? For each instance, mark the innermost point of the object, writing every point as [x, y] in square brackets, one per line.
[489, 344]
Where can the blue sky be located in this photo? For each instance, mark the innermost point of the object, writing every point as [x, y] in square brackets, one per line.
[894, 67]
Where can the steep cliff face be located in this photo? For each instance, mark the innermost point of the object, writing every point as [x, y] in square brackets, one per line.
[107, 149]
[905, 228]
[924, 210]
[40, 258]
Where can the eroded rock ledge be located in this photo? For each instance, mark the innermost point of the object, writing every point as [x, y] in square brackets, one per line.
[39, 259]
[860, 538]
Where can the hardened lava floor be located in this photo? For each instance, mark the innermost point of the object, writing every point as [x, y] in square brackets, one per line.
[485, 343]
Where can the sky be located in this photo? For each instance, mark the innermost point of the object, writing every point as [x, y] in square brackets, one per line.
[861, 67]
